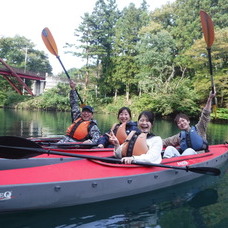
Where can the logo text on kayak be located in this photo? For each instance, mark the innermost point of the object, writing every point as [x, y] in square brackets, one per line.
[5, 195]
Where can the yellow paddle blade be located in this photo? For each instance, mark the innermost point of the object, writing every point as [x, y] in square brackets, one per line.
[208, 28]
[49, 41]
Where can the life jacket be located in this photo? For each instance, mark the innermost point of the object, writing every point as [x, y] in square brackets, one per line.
[135, 144]
[192, 140]
[79, 129]
[120, 132]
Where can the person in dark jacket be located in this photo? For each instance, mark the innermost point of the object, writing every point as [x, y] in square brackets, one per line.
[83, 128]
[121, 129]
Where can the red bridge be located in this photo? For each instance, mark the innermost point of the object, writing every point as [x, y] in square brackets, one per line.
[15, 77]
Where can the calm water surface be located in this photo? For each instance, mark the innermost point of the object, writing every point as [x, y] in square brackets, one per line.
[198, 204]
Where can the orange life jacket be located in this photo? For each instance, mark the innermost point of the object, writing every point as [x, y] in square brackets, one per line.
[135, 144]
[120, 132]
[79, 129]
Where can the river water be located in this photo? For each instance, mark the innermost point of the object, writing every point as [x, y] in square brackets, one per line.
[197, 204]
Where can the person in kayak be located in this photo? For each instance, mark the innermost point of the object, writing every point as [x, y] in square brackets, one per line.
[141, 146]
[83, 128]
[121, 129]
[191, 139]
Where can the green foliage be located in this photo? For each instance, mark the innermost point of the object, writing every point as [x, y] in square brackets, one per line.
[106, 100]
[21, 53]
[10, 99]
[117, 104]
[53, 99]
[156, 54]
[221, 113]
[3, 97]
[96, 34]
[199, 62]
[126, 37]
[179, 98]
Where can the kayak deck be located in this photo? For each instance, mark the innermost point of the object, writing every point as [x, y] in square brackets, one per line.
[84, 169]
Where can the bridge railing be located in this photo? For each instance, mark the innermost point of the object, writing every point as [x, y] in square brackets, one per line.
[23, 74]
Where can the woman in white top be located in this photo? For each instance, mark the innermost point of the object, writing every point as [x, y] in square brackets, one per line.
[150, 149]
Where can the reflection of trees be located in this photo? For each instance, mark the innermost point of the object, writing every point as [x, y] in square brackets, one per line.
[40, 123]
[165, 128]
[208, 208]
[27, 123]
[216, 215]
[217, 133]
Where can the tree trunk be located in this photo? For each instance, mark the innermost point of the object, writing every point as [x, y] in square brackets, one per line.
[127, 92]
[87, 71]
[115, 98]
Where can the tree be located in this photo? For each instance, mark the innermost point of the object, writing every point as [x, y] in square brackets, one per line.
[156, 55]
[96, 34]
[20, 52]
[199, 62]
[126, 38]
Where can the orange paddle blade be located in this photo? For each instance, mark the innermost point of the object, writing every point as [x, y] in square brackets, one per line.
[49, 41]
[208, 28]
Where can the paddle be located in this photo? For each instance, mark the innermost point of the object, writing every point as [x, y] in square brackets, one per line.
[208, 31]
[68, 145]
[18, 141]
[51, 46]
[22, 142]
[41, 140]
[15, 152]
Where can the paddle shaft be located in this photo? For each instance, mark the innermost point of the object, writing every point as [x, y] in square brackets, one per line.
[68, 76]
[202, 170]
[36, 151]
[76, 145]
[214, 100]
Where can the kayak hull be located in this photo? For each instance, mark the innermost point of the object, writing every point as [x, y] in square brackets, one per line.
[83, 181]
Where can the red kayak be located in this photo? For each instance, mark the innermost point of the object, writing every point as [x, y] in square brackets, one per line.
[97, 179]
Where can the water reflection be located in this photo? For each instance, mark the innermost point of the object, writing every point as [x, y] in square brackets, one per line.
[39, 123]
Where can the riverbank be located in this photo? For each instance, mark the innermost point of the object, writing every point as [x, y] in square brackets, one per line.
[165, 106]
